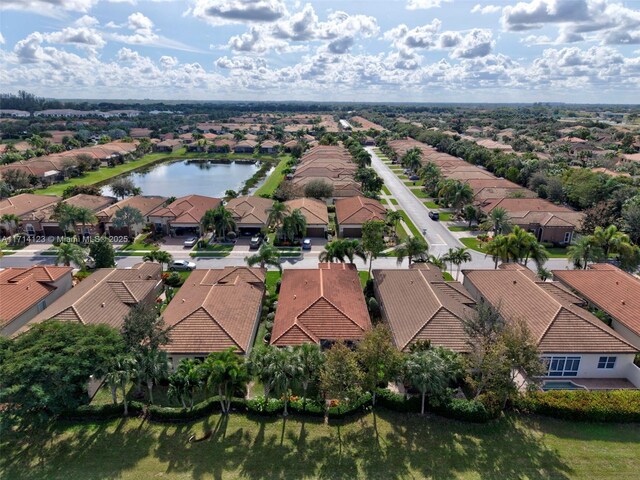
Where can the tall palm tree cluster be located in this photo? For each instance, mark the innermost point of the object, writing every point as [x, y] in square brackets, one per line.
[412, 159]
[220, 220]
[288, 225]
[360, 156]
[518, 246]
[431, 176]
[454, 193]
[343, 250]
[602, 245]
[70, 216]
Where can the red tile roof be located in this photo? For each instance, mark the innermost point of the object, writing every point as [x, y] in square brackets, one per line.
[215, 310]
[22, 288]
[556, 323]
[357, 210]
[610, 289]
[326, 303]
[187, 210]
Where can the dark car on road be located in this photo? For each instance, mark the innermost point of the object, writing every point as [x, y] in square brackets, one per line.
[435, 216]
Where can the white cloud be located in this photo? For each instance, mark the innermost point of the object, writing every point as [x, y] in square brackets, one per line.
[486, 9]
[577, 20]
[168, 62]
[425, 4]
[477, 43]
[143, 32]
[81, 36]
[240, 63]
[86, 21]
[2, 40]
[238, 11]
[48, 7]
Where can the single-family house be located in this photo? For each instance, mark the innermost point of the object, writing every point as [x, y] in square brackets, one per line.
[25, 292]
[614, 291]
[144, 203]
[183, 215]
[23, 205]
[353, 212]
[315, 212]
[45, 223]
[269, 147]
[250, 213]
[573, 342]
[245, 146]
[419, 305]
[106, 296]
[320, 305]
[167, 146]
[213, 311]
[547, 221]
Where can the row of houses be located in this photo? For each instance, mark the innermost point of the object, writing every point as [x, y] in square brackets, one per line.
[221, 308]
[330, 164]
[50, 168]
[548, 221]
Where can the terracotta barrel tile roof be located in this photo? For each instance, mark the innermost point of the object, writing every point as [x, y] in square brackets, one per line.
[357, 210]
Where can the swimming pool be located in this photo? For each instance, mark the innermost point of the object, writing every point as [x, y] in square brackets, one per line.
[561, 385]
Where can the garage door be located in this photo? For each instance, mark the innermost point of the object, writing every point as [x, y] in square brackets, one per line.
[53, 231]
[315, 232]
[352, 232]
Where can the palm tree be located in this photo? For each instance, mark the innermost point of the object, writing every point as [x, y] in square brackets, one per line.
[186, 380]
[285, 370]
[69, 253]
[66, 216]
[394, 217]
[427, 372]
[294, 226]
[350, 249]
[498, 248]
[12, 220]
[437, 261]
[498, 221]
[259, 366]
[431, 175]
[460, 255]
[309, 359]
[152, 367]
[267, 255]
[225, 371]
[583, 251]
[333, 251]
[159, 256]
[223, 222]
[413, 247]
[277, 214]
[411, 159]
[83, 216]
[611, 240]
[118, 375]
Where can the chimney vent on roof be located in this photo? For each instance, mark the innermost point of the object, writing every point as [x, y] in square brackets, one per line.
[183, 300]
[623, 302]
[103, 305]
[515, 281]
[294, 296]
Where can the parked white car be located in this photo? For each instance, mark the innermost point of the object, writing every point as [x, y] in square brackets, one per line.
[182, 265]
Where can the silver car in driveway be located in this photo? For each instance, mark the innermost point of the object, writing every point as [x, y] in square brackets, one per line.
[190, 242]
[182, 265]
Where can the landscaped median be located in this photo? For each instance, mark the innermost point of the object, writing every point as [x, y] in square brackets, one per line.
[414, 230]
[217, 250]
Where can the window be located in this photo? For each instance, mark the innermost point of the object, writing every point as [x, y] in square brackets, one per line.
[567, 237]
[42, 305]
[562, 366]
[607, 362]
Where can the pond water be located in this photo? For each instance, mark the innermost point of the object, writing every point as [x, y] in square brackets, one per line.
[186, 177]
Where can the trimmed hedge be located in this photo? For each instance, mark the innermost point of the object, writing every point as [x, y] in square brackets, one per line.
[100, 412]
[594, 406]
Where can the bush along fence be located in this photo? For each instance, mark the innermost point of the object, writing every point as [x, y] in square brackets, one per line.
[459, 409]
[596, 406]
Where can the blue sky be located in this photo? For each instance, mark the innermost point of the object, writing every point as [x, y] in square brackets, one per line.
[585, 51]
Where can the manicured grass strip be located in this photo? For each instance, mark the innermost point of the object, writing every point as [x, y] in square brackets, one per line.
[120, 253]
[48, 253]
[364, 276]
[393, 201]
[382, 444]
[271, 280]
[138, 244]
[410, 224]
[402, 233]
[274, 180]
[216, 247]
[385, 190]
[419, 193]
[459, 229]
[383, 201]
[209, 254]
[557, 252]
[473, 243]
[445, 216]
[6, 253]
[403, 177]
[431, 204]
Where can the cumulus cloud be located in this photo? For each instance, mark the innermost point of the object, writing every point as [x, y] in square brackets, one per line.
[2, 40]
[81, 36]
[577, 20]
[486, 9]
[48, 7]
[240, 63]
[477, 43]
[239, 11]
[144, 32]
[340, 31]
[425, 4]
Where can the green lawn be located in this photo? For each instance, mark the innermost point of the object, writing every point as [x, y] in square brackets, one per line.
[445, 216]
[274, 180]
[459, 229]
[473, 243]
[383, 201]
[138, 244]
[416, 232]
[419, 193]
[216, 247]
[209, 254]
[364, 276]
[385, 190]
[384, 445]
[431, 204]
[271, 280]
[393, 201]
[557, 252]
